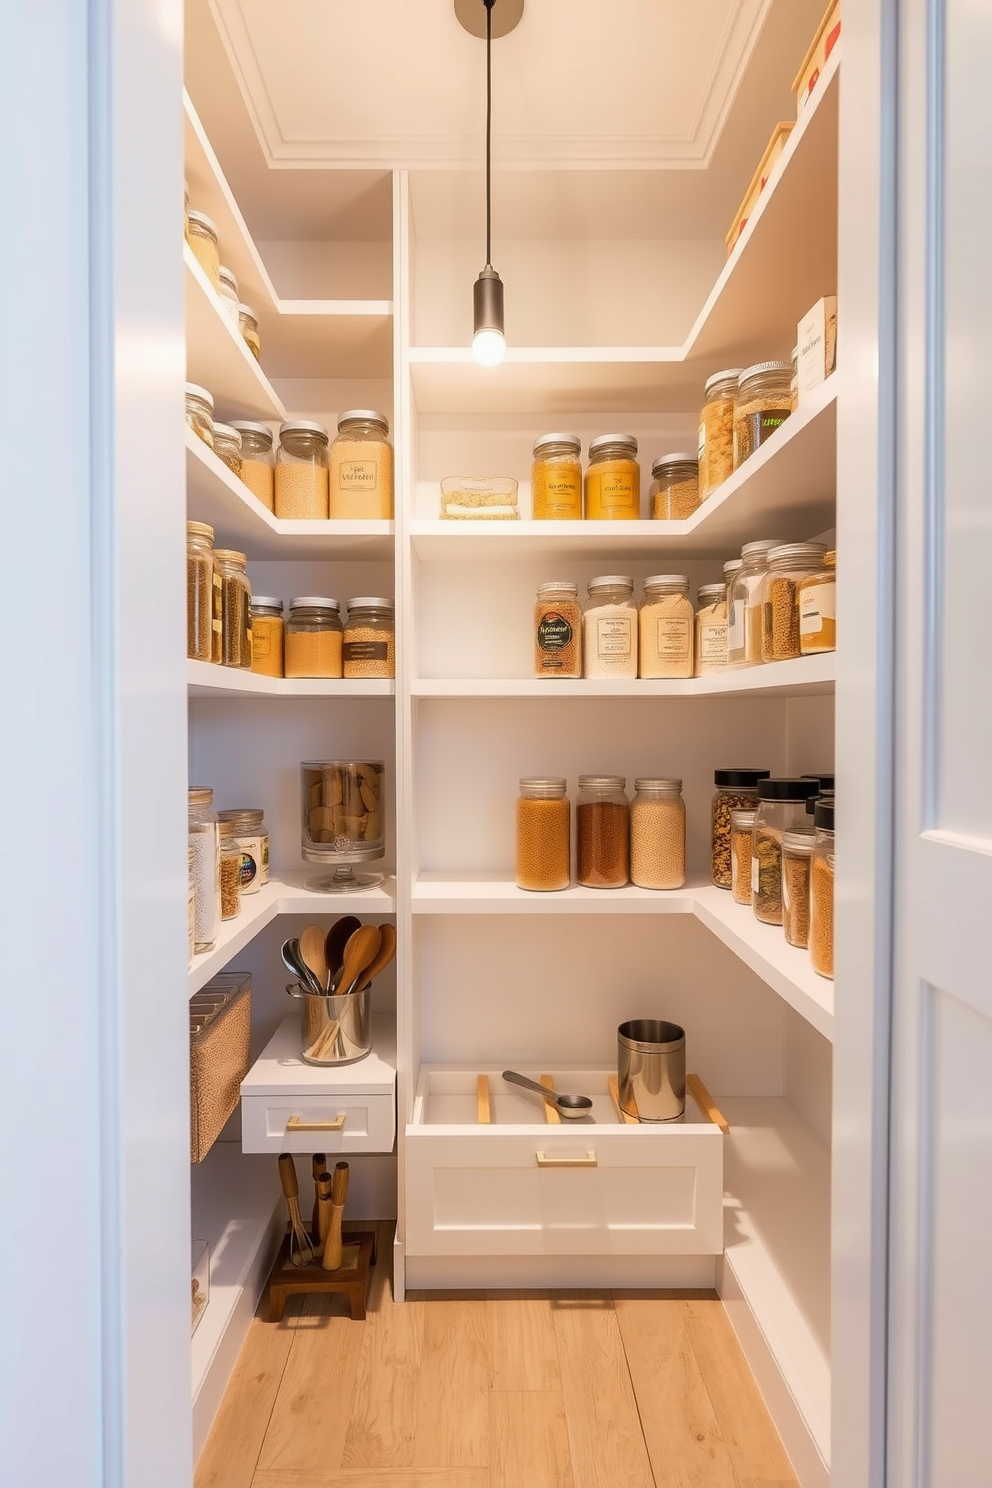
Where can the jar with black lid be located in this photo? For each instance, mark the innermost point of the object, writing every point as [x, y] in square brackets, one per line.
[736, 790]
[781, 808]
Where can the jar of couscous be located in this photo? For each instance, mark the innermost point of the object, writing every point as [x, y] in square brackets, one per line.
[361, 467]
[613, 479]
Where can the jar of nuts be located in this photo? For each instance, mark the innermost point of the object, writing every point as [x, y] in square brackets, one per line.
[788, 565]
[369, 639]
[716, 430]
[736, 790]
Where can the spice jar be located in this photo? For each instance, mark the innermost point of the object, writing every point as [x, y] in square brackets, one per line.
[613, 479]
[256, 459]
[200, 412]
[744, 603]
[252, 836]
[230, 872]
[674, 487]
[788, 565]
[821, 909]
[558, 630]
[248, 326]
[361, 476]
[314, 636]
[602, 832]
[228, 290]
[227, 446]
[818, 608]
[204, 839]
[199, 591]
[267, 632]
[301, 471]
[202, 239]
[741, 835]
[542, 845]
[665, 627]
[711, 630]
[736, 790]
[235, 608]
[797, 852]
[657, 835]
[556, 478]
[763, 403]
[781, 808]
[716, 430]
[369, 636]
[609, 628]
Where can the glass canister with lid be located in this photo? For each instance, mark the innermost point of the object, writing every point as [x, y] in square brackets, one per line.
[235, 607]
[314, 637]
[744, 603]
[256, 459]
[252, 836]
[716, 430]
[202, 238]
[821, 909]
[558, 630]
[788, 565]
[227, 446]
[657, 834]
[228, 290]
[556, 478]
[361, 467]
[613, 479]
[764, 402]
[736, 790]
[602, 832]
[200, 412]
[369, 638]
[199, 591]
[818, 608]
[204, 839]
[267, 634]
[230, 871]
[797, 852]
[542, 858]
[741, 834]
[674, 487]
[301, 471]
[247, 324]
[711, 630]
[666, 627]
[781, 808]
[609, 627]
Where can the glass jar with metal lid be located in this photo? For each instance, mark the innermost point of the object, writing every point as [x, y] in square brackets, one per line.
[781, 808]
[711, 630]
[252, 836]
[657, 834]
[256, 459]
[301, 471]
[267, 633]
[204, 839]
[613, 479]
[227, 445]
[558, 630]
[203, 240]
[736, 790]
[228, 290]
[821, 909]
[744, 603]
[542, 858]
[665, 627]
[314, 634]
[361, 474]
[788, 565]
[556, 478]
[674, 487]
[602, 832]
[369, 638]
[797, 853]
[818, 609]
[230, 871]
[199, 591]
[200, 412]
[248, 326]
[716, 430]
[763, 404]
[609, 628]
[235, 607]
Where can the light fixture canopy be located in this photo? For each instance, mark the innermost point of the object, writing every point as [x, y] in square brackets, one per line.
[488, 340]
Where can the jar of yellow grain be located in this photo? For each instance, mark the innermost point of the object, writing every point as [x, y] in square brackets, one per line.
[788, 566]
[613, 479]
[821, 907]
[361, 467]
[818, 609]
[267, 634]
[301, 471]
[369, 638]
[248, 326]
[227, 445]
[229, 294]
[543, 860]
[313, 637]
[657, 835]
[674, 487]
[256, 459]
[202, 239]
[200, 412]
[556, 478]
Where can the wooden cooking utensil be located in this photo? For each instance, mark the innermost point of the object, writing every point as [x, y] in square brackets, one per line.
[323, 1210]
[337, 938]
[312, 950]
[339, 1192]
[359, 953]
[319, 1166]
[386, 952]
[301, 1251]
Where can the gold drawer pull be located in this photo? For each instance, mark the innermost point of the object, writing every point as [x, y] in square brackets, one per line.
[297, 1124]
[551, 1160]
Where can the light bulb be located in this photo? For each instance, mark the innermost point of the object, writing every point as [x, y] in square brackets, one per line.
[488, 347]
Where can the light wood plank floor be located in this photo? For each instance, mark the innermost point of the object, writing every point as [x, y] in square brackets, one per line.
[495, 1390]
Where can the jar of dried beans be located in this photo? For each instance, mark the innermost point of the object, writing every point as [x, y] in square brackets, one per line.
[314, 636]
[674, 487]
[256, 459]
[602, 832]
[542, 845]
[818, 609]
[199, 591]
[609, 628]
[202, 239]
[557, 631]
[666, 640]
[204, 840]
[556, 478]
[248, 326]
[741, 833]
[716, 430]
[781, 808]
[361, 467]
[657, 834]
[369, 639]
[228, 291]
[301, 471]
[230, 872]
[764, 402]
[227, 446]
[267, 634]
[736, 790]
[788, 565]
[744, 603]
[821, 916]
[797, 852]
[235, 607]
[613, 479]
[200, 412]
[711, 630]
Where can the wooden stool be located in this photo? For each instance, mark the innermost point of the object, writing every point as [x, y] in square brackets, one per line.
[352, 1279]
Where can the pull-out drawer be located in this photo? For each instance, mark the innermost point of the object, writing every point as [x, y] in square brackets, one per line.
[516, 1185]
[289, 1106]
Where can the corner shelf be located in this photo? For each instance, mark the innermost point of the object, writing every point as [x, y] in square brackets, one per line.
[205, 679]
[217, 357]
[805, 676]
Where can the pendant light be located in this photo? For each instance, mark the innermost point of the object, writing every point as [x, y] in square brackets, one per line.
[488, 341]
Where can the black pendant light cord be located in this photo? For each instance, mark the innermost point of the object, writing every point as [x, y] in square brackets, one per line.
[489, 130]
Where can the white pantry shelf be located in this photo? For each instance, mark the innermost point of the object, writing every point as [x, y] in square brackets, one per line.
[806, 676]
[217, 357]
[205, 679]
[554, 380]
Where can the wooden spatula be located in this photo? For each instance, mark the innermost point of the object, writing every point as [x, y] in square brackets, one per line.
[359, 953]
[312, 950]
[386, 952]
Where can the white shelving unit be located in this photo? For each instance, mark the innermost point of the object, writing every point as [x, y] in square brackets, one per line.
[807, 676]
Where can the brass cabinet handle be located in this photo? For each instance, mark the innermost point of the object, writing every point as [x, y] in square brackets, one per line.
[552, 1160]
[297, 1124]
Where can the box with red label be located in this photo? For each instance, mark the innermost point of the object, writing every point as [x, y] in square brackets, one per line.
[776, 145]
[815, 60]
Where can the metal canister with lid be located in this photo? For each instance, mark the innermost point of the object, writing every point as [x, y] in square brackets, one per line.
[556, 478]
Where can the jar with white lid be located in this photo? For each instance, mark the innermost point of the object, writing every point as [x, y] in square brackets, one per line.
[744, 603]
[657, 834]
[361, 467]
[256, 459]
[203, 240]
[716, 430]
[665, 627]
[227, 446]
[228, 291]
[369, 638]
[674, 487]
[788, 565]
[267, 635]
[230, 568]
[764, 402]
[204, 839]
[602, 832]
[556, 478]
[609, 627]
[248, 326]
[252, 836]
[314, 634]
[301, 471]
[542, 857]
[200, 412]
[199, 591]
[613, 479]
[711, 630]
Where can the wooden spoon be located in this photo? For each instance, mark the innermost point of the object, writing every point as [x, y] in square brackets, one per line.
[387, 951]
[337, 938]
[333, 1249]
[359, 953]
[312, 951]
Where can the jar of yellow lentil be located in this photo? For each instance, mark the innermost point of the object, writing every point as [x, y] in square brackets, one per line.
[716, 430]
[361, 467]
[200, 412]
[313, 637]
[301, 471]
[818, 609]
[227, 445]
[613, 479]
[256, 459]
[248, 326]
[369, 638]
[674, 487]
[267, 629]
[203, 241]
[556, 478]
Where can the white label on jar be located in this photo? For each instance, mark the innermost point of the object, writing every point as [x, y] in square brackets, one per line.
[673, 640]
[358, 475]
[755, 876]
[251, 853]
[713, 642]
[816, 604]
[613, 637]
[735, 632]
[702, 440]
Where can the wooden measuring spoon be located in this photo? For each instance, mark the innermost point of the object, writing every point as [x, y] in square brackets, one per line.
[387, 950]
[337, 938]
[312, 951]
[359, 953]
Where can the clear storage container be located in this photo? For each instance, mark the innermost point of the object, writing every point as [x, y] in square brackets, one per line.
[301, 471]
[609, 627]
[314, 637]
[666, 627]
[602, 832]
[744, 603]
[248, 326]
[613, 479]
[542, 859]
[741, 836]
[711, 630]
[763, 404]
[343, 821]
[788, 565]
[227, 447]
[558, 630]
[235, 607]
[267, 635]
[252, 836]
[781, 808]
[361, 467]
[657, 834]
[736, 790]
[202, 239]
[228, 290]
[674, 487]
[716, 430]
[369, 648]
[556, 478]
[797, 852]
[818, 608]
[821, 921]
[204, 839]
[256, 459]
[200, 412]
[199, 591]
[230, 871]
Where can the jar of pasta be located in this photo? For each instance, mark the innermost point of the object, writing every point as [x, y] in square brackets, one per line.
[314, 634]
[301, 471]
[200, 412]
[613, 479]
[818, 608]
[744, 603]
[764, 402]
[361, 475]
[202, 239]
[199, 591]
[711, 630]
[716, 430]
[369, 638]
[665, 627]
[542, 838]
[674, 487]
[609, 628]
[256, 459]
[267, 630]
[788, 565]
[248, 326]
[556, 478]
[227, 445]
[558, 630]
[235, 607]
[228, 290]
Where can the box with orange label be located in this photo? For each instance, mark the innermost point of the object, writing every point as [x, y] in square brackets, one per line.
[776, 145]
[815, 60]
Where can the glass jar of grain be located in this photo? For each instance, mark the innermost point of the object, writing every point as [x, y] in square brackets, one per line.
[556, 478]
[227, 446]
[200, 412]
[230, 871]
[235, 608]
[361, 474]
[711, 630]
[248, 326]
[821, 908]
[301, 471]
[314, 635]
[602, 832]
[674, 487]
[199, 591]
[369, 638]
[736, 790]
[609, 628]
[256, 459]
[202, 239]
[797, 852]
[267, 634]
[781, 808]
[558, 630]
[613, 479]
[204, 840]
[542, 839]
[788, 565]
[665, 626]
[741, 834]
[744, 603]
[252, 836]
[716, 430]
[763, 404]
[818, 609]
[657, 834]
[228, 291]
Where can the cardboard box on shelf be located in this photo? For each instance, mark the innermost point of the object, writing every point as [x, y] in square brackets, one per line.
[816, 345]
[766, 165]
